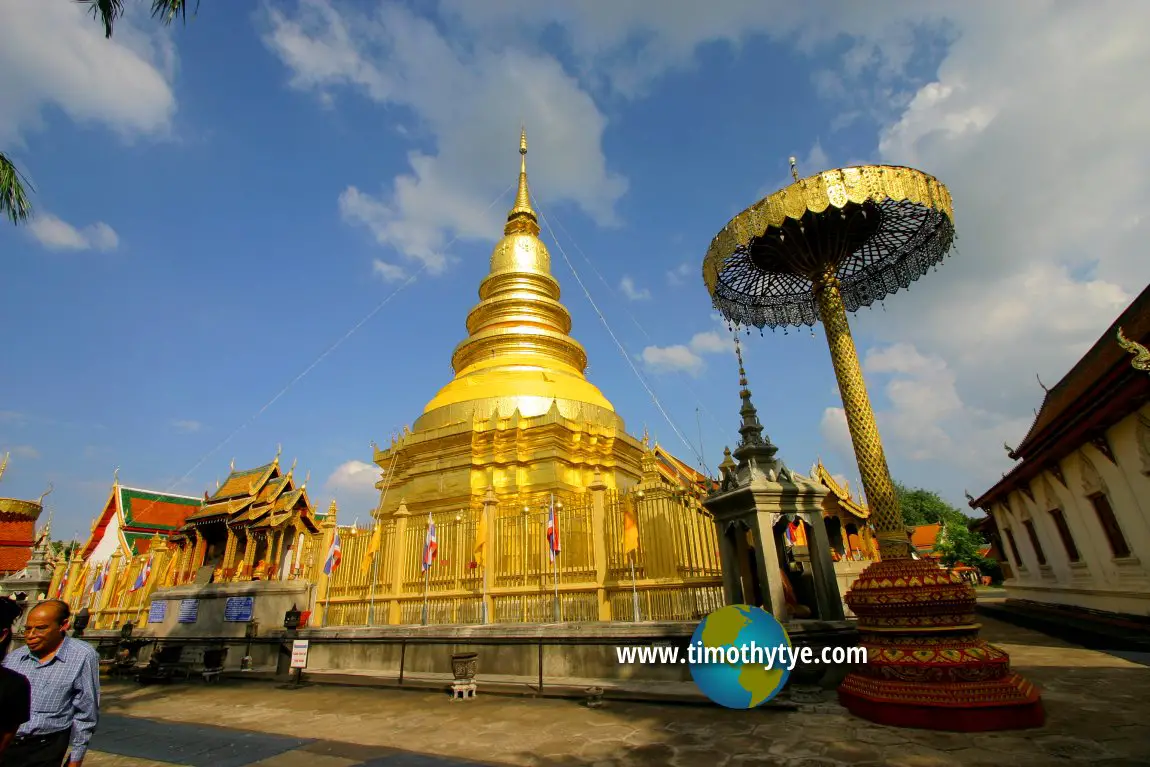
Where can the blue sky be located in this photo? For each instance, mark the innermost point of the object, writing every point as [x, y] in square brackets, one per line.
[220, 203]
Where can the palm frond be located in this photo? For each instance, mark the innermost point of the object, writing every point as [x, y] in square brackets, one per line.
[167, 10]
[106, 12]
[13, 197]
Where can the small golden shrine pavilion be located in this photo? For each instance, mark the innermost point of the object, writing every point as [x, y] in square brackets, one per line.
[256, 526]
[847, 520]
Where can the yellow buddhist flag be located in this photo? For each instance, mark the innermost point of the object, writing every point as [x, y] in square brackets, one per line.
[372, 549]
[480, 554]
[630, 529]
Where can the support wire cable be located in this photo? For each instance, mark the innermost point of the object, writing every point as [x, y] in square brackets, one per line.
[698, 400]
[610, 332]
[367, 318]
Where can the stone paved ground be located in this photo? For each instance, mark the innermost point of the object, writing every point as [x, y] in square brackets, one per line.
[1098, 712]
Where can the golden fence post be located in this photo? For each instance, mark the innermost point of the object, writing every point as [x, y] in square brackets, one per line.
[490, 514]
[75, 567]
[161, 556]
[57, 576]
[598, 489]
[109, 587]
[398, 553]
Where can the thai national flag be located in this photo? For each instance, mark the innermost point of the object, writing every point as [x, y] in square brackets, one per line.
[142, 578]
[333, 555]
[430, 544]
[63, 582]
[552, 532]
[102, 577]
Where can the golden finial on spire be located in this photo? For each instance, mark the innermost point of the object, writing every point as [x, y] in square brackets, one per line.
[522, 207]
[279, 449]
[116, 476]
[794, 169]
[4, 464]
[305, 479]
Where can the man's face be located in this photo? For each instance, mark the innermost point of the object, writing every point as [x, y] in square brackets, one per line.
[43, 630]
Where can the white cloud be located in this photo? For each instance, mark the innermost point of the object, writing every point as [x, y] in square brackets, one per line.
[686, 358]
[627, 285]
[388, 272]
[677, 358]
[53, 54]
[470, 99]
[187, 426]
[353, 485]
[56, 234]
[679, 274]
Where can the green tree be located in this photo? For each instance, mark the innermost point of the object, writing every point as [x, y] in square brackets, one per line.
[925, 507]
[14, 187]
[957, 544]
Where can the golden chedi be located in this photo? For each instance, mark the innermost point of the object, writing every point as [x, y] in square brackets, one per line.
[519, 415]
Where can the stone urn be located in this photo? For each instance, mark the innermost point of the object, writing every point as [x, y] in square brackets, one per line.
[464, 665]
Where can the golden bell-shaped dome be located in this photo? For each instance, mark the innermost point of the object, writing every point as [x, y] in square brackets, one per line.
[518, 355]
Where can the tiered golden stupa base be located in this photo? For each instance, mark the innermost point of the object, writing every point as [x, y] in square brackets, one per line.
[926, 665]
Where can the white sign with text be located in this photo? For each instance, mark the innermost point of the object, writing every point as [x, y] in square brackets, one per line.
[299, 653]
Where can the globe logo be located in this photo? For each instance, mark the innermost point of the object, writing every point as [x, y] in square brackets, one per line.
[727, 656]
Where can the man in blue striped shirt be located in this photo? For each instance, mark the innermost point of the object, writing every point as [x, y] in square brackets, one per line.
[65, 677]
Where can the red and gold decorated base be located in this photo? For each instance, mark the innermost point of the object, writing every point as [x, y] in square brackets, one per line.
[926, 666]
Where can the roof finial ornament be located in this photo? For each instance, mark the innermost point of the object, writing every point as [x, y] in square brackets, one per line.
[522, 209]
[116, 476]
[4, 464]
[305, 479]
[231, 466]
[46, 493]
[794, 168]
[1041, 384]
[279, 449]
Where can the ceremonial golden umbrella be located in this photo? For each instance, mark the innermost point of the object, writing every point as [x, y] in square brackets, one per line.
[825, 245]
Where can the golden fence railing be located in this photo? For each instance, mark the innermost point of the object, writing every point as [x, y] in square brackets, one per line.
[677, 573]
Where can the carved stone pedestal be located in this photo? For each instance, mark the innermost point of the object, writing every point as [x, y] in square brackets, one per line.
[926, 665]
[462, 690]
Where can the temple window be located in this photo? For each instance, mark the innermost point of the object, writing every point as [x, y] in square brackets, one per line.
[1032, 534]
[1064, 533]
[1118, 544]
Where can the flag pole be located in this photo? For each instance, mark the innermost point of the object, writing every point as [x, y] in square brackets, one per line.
[375, 556]
[555, 560]
[426, 585]
[374, 577]
[634, 590]
[485, 521]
